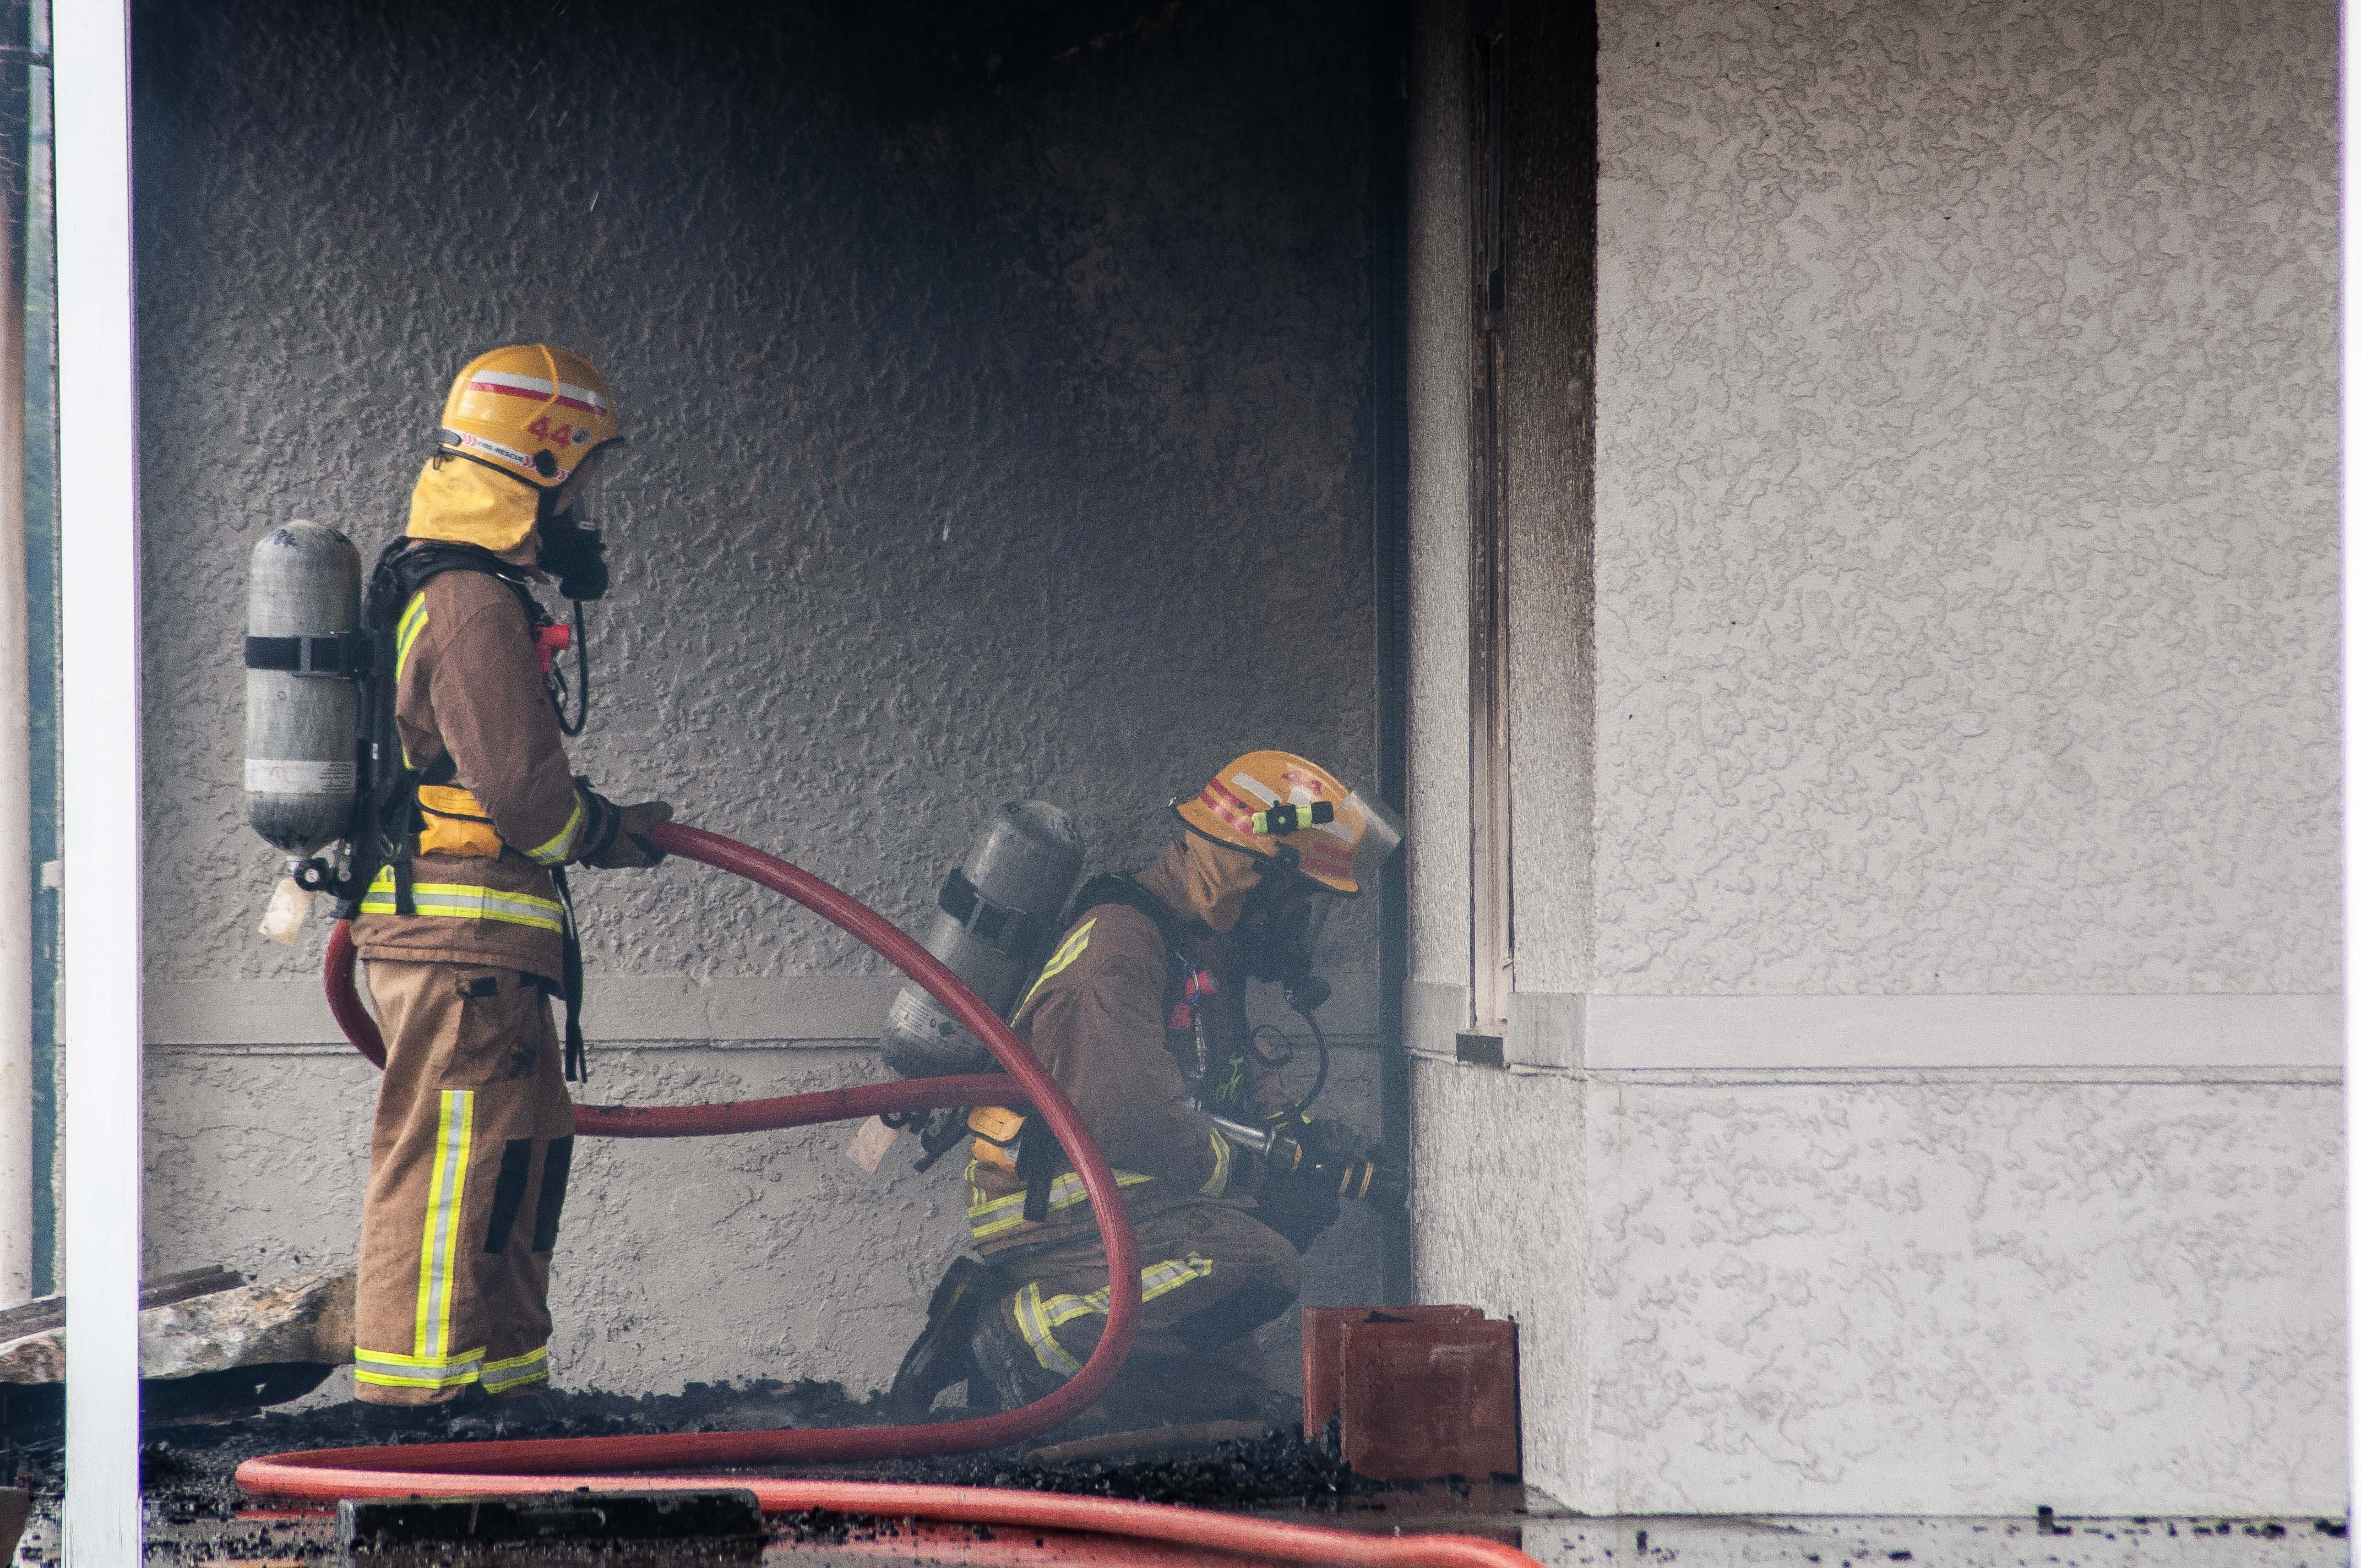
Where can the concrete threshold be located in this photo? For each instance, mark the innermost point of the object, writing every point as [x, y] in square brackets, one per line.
[1773, 1541]
[1516, 1515]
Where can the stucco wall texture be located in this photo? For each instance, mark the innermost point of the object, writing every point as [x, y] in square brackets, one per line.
[994, 383]
[1963, 1297]
[1965, 528]
[1964, 572]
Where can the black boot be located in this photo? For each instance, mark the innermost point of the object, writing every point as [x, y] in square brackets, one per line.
[429, 1422]
[940, 1356]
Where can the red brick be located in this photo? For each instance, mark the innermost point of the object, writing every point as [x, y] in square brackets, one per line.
[1323, 1344]
[1423, 1399]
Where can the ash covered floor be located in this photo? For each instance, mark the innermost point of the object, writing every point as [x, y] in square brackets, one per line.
[197, 1516]
[196, 1513]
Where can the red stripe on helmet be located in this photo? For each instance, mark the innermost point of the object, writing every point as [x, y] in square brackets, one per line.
[1321, 857]
[1217, 799]
[537, 396]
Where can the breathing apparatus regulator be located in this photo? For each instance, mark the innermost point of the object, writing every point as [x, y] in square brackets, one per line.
[519, 454]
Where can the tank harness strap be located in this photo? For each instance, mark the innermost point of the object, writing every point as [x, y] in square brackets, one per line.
[441, 771]
[577, 1050]
[348, 653]
[1003, 927]
[1186, 988]
[1038, 1161]
[1122, 887]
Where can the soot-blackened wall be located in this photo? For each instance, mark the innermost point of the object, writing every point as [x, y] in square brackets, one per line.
[994, 384]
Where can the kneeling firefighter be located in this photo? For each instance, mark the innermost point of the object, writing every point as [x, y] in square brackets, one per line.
[1139, 1012]
[465, 923]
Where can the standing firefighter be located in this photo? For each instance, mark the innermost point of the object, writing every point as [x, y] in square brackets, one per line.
[1139, 1015]
[464, 928]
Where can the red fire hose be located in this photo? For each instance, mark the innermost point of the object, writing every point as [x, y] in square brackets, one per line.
[549, 1465]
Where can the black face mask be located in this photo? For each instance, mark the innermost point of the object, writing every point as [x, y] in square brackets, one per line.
[1275, 935]
[574, 555]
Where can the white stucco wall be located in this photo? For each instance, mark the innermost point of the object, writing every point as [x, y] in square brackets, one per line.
[1965, 528]
[1950, 1120]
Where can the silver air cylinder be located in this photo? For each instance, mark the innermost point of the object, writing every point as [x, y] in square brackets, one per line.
[303, 721]
[996, 916]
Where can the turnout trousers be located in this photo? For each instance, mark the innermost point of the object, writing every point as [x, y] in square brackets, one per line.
[1208, 1275]
[469, 1157]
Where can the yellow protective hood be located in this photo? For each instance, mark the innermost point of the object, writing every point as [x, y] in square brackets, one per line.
[462, 502]
[1201, 880]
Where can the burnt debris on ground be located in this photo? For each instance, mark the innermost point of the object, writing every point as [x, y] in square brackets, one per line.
[186, 1472]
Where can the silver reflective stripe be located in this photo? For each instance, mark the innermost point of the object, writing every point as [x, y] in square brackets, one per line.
[385, 1368]
[530, 1368]
[989, 1217]
[1045, 1348]
[465, 901]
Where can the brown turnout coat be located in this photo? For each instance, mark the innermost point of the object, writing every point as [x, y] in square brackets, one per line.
[1096, 1020]
[469, 686]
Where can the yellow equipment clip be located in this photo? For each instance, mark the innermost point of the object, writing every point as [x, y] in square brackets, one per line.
[997, 1130]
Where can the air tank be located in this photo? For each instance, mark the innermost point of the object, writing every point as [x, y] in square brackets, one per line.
[995, 917]
[302, 717]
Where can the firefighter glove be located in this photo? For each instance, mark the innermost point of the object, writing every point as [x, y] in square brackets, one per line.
[1328, 1143]
[617, 835]
[1298, 1205]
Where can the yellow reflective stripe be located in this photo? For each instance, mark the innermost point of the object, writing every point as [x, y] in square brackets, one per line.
[1045, 1348]
[405, 632]
[464, 901]
[1157, 1279]
[1065, 954]
[559, 848]
[439, 1246]
[1171, 1275]
[1038, 1320]
[531, 1366]
[989, 1217]
[1219, 1182]
[393, 1371]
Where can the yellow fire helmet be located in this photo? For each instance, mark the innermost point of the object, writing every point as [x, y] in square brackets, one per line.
[530, 410]
[1285, 810]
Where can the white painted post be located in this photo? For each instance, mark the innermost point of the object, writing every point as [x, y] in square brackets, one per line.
[17, 1175]
[2349, 299]
[98, 453]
